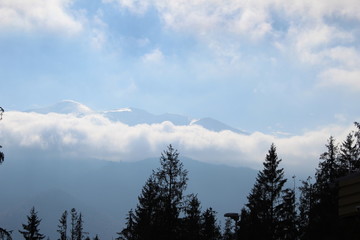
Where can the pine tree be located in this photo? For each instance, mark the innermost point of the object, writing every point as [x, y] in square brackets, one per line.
[329, 168]
[357, 137]
[145, 217]
[306, 207]
[228, 230]
[192, 221]
[172, 181]
[31, 229]
[210, 230]
[245, 224]
[349, 155]
[79, 228]
[62, 227]
[5, 234]
[288, 225]
[128, 233]
[74, 218]
[264, 198]
[324, 222]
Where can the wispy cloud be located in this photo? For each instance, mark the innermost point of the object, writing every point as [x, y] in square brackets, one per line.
[314, 31]
[94, 136]
[31, 15]
[155, 56]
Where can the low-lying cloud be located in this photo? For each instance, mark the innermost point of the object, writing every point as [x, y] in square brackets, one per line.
[94, 136]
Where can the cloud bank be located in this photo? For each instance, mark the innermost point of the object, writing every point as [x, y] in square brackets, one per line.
[94, 136]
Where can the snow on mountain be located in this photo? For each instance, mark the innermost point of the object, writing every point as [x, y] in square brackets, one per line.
[135, 116]
[65, 107]
[215, 125]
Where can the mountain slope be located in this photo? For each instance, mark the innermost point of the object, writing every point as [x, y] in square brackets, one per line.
[104, 191]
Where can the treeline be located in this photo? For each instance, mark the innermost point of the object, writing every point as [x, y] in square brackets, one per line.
[273, 212]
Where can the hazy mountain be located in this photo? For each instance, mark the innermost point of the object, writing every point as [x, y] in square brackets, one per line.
[215, 125]
[134, 116]
[64, 107]
[104, 191]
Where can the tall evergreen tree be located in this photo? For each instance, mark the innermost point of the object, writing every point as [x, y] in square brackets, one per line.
[245, 225]
[79, 229]
[306, 206]
[288, 225]
[31, 229]
[324, 213]
[264, 198]
[74, 217]
[172, 181]
[349, 155]
[192, 221]
[210, 230]
[329, 167]
[62, 227]
[128, 233]
[145, 218]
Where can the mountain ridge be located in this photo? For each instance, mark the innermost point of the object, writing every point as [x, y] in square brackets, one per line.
[134, 116]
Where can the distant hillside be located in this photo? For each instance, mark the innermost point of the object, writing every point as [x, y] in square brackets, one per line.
[104, 191]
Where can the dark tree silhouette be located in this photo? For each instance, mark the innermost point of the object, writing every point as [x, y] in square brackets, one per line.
[264, 198]
[349, 155]
[31, 229]
[146, 222]
[210, 230]
[288, 225]
[128, 233]
[74, 218]
[5, 234]
[172, 181]
[62, 227]
[160, 203]
[229, 233]
[79, 233]
[330, 167]
[192, 221]
[306, 206]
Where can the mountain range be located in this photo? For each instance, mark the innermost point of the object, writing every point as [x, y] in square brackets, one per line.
[135, 116]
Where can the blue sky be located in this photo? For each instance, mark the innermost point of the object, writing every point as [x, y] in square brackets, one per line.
[256, 65]
[285, 71]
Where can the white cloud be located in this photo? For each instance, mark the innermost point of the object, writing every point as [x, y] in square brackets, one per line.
[315, 32]
[94, 136]
[135, 6]
[155, 56]
[51, 15]
[341, 78]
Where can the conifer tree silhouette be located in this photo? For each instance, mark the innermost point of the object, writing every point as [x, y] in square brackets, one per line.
[31, 229]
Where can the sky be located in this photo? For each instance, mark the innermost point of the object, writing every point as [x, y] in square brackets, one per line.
[281, 69]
